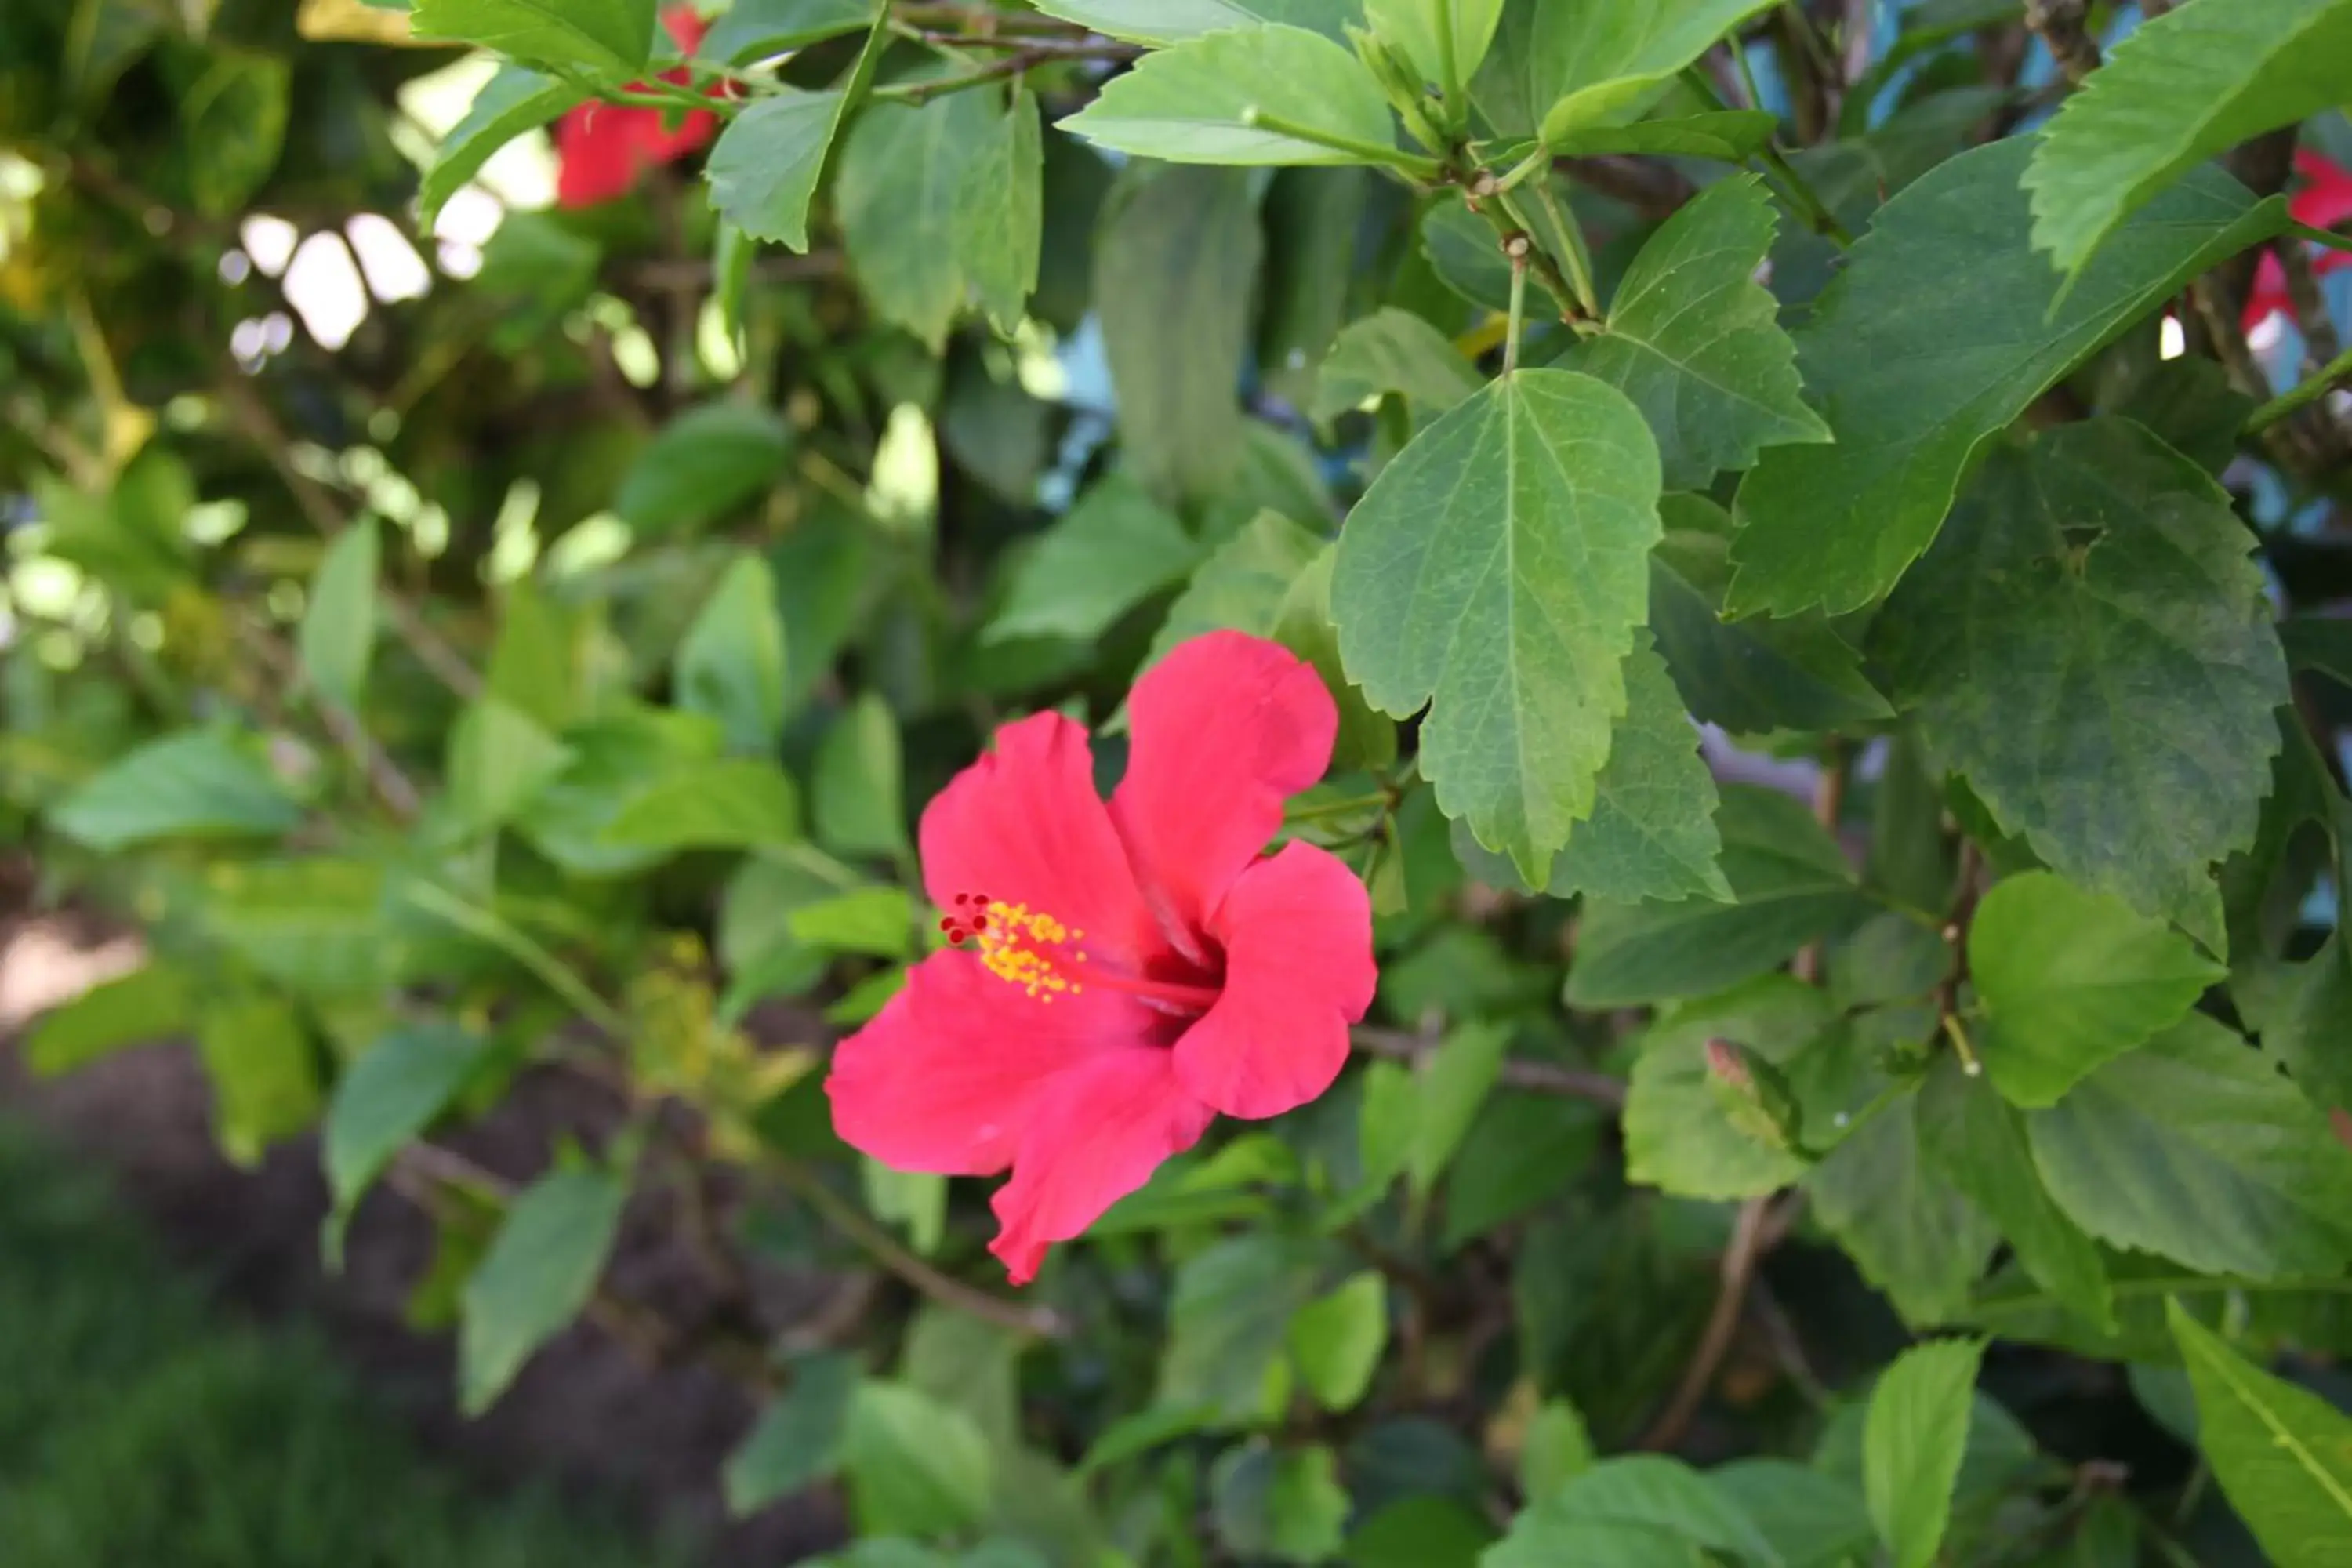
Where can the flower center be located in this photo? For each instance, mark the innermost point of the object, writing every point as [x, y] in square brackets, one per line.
[1038, 953]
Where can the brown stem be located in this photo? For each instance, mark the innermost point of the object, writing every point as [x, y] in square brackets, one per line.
[392, 787]
[1537, 1077]
[885, 1249]
[1737, 1268]
[2064, 26]
[2311, 311]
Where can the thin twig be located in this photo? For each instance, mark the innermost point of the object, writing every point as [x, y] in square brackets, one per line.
[1829, 806]
[2311, 314]
[2064, 26]
[853, 1222]
[392, 787]
[1733, 1273]
[2335, 372]
[1517, 1072]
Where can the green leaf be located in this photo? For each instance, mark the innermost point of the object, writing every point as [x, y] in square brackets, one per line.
[1912, 1442]
[513, 101]
[1335, 1341]
[764, 168]
[315, 925]
[1244, 586]
[1228, 1322]
[2302, 1014]
[1420, 1530]
[2283, 1455]
[1175, 264]
[1173, 21]
[1000, 223]
[1652, 833]
[705, 464]
[1523, 1150]
[1285, 1506]
[2111, 701]
[1637, 1511]
[1557, 1449]
[1790, 885]
[263, 1072]
[499, 760]
[1463, 251]
[2194, 1147]
[1947, 263]
[1725, 135]
[152, 1003]
[1365, 739]
[2182, 88]
[540, 1273]
[2070, 979]
[1906, 1228]
[937, 200]
[1116, 548]
[1314, 218]
[1816, 1521]
[1695, 340]
[613, 38]
[1452, 1084]
[877, 921]
[1198, 103]
[757, 29]
[1562, 65]
[1753, 676]
[737, 804]
[1978, 1142]
[1418, 28]
[859, 785]
[233, 126]
[199, 784]
[1497, 571]
[916, 1467]
[339, 622]
[535, 663]
[1392, 350]
[730, 663]
[915, 1201]
[798, 1438]
[390, 1096]
[1679, 1137]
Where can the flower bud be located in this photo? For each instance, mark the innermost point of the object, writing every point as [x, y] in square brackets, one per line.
[1753, 1095]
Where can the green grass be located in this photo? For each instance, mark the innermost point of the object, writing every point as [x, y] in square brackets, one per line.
[139, 1429]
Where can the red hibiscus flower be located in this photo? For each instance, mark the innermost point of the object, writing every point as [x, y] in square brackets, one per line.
[602, 148]
[2325, 200]
[1121, 973]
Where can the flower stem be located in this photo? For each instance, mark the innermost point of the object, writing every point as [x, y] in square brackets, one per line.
[1397, 158]
[2333, 371]
[1518, 306]
[2318, 236]
[1967, 1053]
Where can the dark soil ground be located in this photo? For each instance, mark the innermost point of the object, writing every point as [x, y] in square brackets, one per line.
[586, 1412]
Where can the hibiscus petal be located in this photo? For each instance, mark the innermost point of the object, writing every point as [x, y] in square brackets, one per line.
[1298, 935]
[1225, 727]
[596, 153]
[1092, 1137]
[946, 1077]
[1024, 826]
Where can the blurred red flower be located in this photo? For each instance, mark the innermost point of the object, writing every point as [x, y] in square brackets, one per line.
[602, 149]
[2324, 200]
[1120, 975]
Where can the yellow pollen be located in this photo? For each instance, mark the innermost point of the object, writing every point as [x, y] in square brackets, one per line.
[1020, 946]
